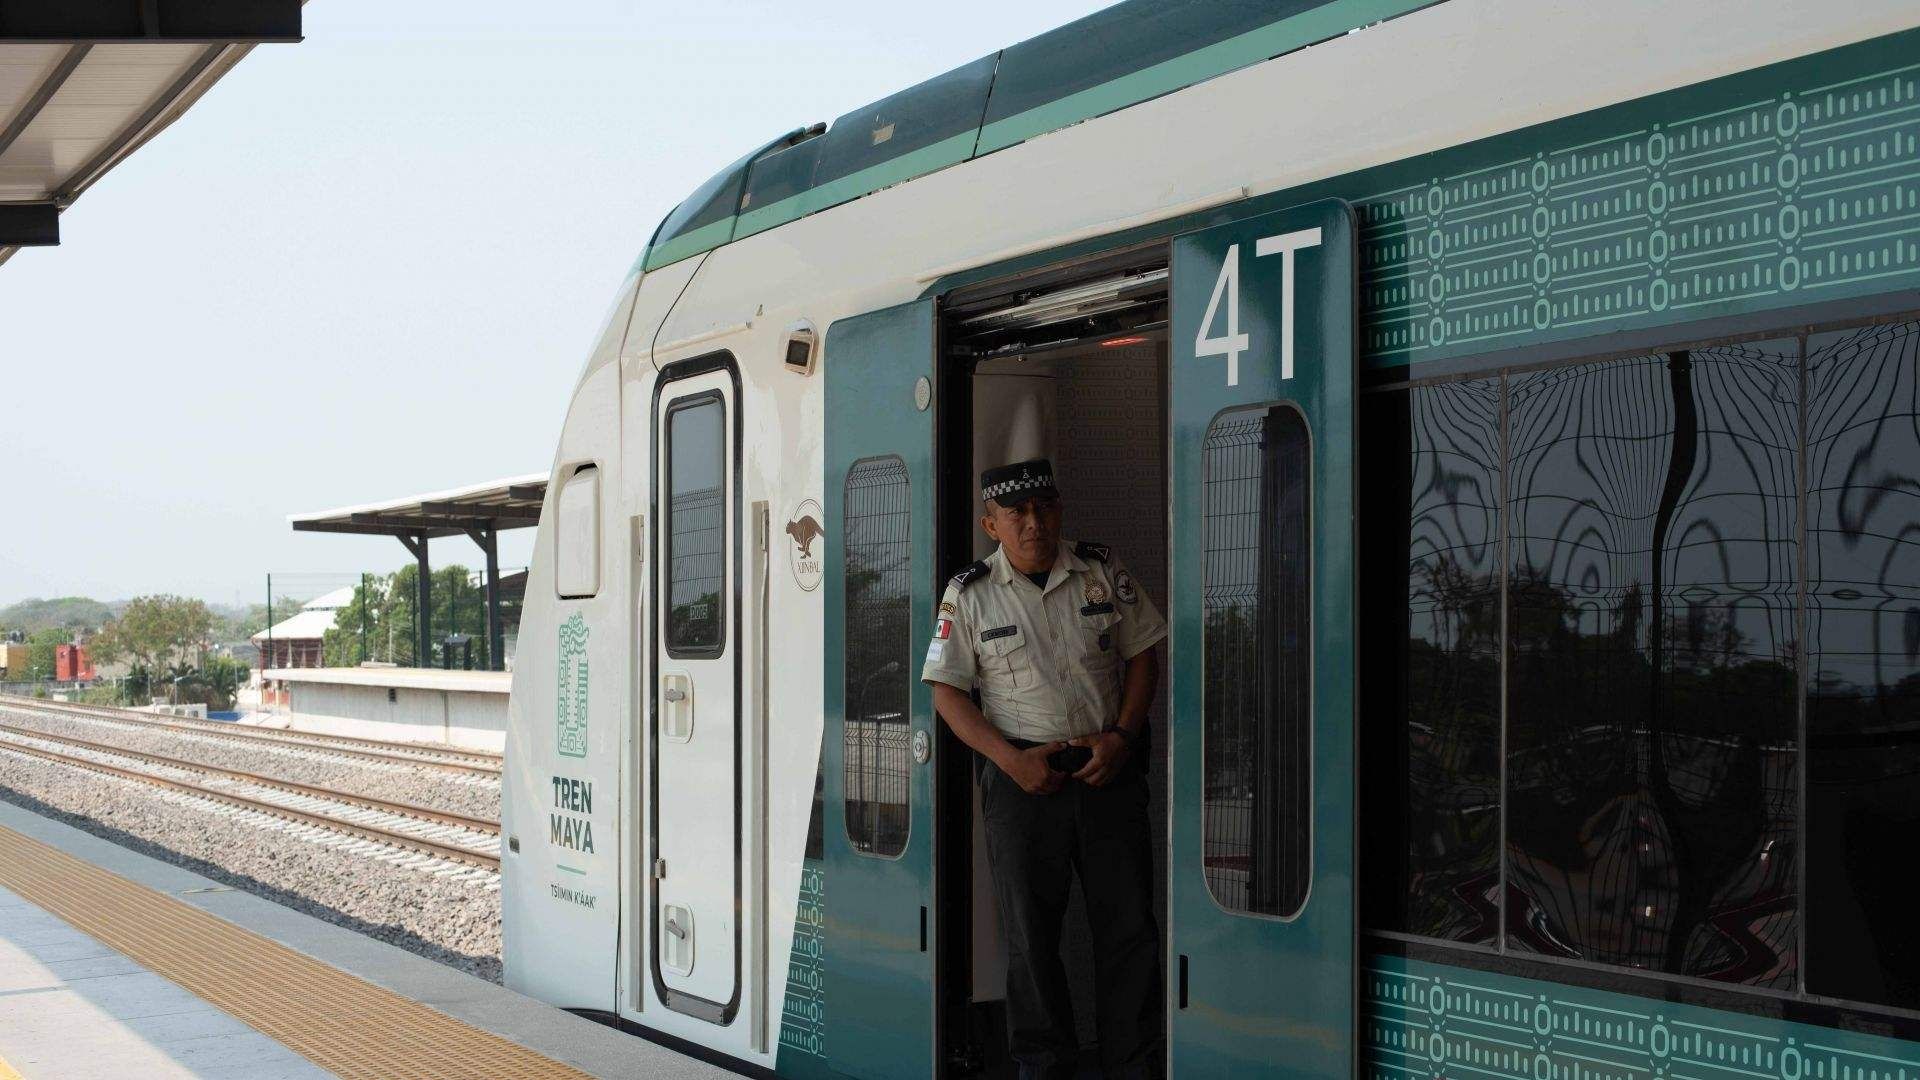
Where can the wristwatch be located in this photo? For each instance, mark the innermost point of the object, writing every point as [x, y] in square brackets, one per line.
[1115, 727]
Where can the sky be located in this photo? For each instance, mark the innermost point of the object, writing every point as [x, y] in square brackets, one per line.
[371, 264]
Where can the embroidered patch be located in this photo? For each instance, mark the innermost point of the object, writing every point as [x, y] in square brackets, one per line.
[1123, 587]
[943, 630]
[936, 651]
[998, 632]
[1097, 609]
[947, 609]
[1096, 590]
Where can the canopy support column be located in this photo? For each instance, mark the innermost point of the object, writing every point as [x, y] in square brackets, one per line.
[423, 602]
[488, 538]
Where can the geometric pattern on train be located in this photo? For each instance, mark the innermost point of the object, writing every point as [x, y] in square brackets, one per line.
[1795, 193]
[1434, 1021]
[803, 1020]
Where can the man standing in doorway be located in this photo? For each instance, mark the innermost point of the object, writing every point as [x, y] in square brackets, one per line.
[1061, 644]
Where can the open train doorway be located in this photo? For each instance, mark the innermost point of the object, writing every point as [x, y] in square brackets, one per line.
[1067, 364]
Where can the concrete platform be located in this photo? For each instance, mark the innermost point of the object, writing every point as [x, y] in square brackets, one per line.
[56, 981]
[460, 708]
[72, 1004]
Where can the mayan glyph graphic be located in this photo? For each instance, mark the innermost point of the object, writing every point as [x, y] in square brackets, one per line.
[570, 707]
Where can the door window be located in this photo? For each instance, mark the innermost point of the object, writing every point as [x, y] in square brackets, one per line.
[696, 527]
[879, 553]
[1257, 723]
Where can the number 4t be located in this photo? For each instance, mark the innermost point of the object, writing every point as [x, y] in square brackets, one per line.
[1234, 342]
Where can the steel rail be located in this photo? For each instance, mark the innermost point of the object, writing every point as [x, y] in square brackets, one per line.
[365, 802]
[455, 852]
[478, 762]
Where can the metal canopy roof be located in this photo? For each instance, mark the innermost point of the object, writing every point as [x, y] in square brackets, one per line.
[84, 84]
[512, 503]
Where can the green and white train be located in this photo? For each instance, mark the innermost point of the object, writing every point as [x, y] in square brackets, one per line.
[1513, 404]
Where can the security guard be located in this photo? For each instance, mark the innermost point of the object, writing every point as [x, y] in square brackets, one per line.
[1060, 642]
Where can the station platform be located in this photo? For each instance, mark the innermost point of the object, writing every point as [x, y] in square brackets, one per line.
[114, 964]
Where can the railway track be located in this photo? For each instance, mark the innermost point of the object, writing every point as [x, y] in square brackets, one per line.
[401, 825]
[479, 762]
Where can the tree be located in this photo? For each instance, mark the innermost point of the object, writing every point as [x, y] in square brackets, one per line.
[385, 606]
[155, 632]
[40, 653]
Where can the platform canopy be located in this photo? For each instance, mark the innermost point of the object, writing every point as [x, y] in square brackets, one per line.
[84, 83]
[479, 512]
[511, 503]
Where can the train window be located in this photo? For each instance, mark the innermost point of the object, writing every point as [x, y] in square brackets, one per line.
[1257, 801]
[1652, 731]
[1431, 660]
[1863, 665]
[877, 730]
[576, 535]
[696, 526]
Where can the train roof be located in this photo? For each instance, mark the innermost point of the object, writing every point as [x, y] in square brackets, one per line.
[1116, 57]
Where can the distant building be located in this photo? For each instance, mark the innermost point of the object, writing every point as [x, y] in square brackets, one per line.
[297, 642]
[72, 664]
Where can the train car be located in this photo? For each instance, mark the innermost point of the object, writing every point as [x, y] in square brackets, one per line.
[1512, 403]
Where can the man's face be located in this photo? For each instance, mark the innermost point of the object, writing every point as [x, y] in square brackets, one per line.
[1029, 530]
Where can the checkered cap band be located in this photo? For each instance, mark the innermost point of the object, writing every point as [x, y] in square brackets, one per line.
[1013, 479]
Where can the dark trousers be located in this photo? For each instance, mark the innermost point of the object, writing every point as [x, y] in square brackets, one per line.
[1034, 843]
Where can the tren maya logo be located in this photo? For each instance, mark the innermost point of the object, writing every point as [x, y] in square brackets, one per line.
[570, 708]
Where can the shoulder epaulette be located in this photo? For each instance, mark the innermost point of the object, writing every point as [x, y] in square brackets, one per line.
[1087, 549]
[972, 573]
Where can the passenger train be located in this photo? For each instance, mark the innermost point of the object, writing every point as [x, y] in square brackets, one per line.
[1513, 404]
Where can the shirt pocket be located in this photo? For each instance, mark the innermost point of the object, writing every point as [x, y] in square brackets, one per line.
[1004, 655]
[1096, 643]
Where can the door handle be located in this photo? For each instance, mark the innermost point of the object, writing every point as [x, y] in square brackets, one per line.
[676, 713]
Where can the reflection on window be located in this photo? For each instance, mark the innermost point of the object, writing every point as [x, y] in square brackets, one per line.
[1863, 688]
[1435, 817]
[696, 526]
[1652, 751]
[1257, 801]
[877, 731]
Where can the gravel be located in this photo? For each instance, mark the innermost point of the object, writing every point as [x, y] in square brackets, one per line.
[464, 793]
[441, 910]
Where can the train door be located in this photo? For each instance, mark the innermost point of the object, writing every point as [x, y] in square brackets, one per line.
[1261, 888]
[696, 691]
[879, 736]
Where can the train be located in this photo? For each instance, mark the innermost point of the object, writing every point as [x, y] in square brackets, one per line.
[1511, 404]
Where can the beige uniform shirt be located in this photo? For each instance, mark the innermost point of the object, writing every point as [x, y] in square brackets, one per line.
[1049, 662]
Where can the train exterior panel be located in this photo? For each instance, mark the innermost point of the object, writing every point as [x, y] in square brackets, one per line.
[733, 820]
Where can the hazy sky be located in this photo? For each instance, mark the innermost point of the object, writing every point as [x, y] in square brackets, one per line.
[370, 265]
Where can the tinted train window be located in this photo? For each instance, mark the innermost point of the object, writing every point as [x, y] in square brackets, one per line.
[1863, 645]
[1431, 660]
[877, 730]
[1652, 724]
[1258, 755]
[696, 527]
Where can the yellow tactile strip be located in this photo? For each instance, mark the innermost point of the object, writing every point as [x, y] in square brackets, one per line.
[343, 1024]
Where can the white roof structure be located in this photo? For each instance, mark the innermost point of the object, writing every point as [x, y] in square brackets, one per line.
[312, 621]
[83, 85]
[506, 503]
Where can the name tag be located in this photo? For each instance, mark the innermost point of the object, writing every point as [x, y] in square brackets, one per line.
[1097, 609]
[998, 632]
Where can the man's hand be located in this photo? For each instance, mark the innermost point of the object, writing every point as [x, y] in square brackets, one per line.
[1110, 752]
[1030, 770]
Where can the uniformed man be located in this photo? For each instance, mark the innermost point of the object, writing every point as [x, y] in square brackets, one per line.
[1060, 642]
